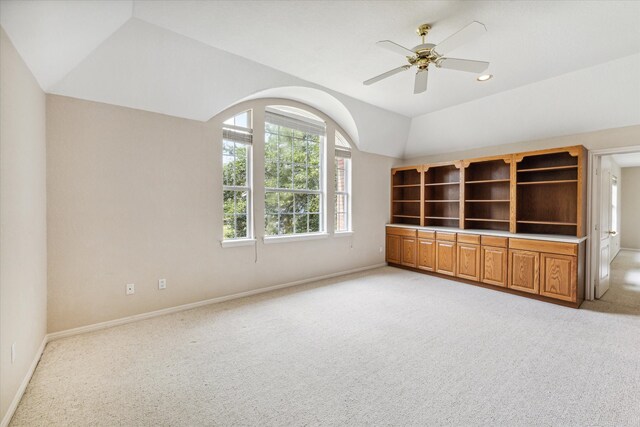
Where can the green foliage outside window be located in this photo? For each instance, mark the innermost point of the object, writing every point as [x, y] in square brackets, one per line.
[235, 158]
[292, 162]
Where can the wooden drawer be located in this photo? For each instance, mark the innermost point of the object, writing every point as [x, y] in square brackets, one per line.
[498, 242]
[473, 239]
[426, 234]
[544, 246]
[451, 237]
[397, 231]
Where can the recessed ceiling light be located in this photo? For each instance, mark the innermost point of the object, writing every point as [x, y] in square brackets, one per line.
[484, 77]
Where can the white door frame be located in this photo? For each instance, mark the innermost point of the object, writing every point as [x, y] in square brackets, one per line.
[593, 213]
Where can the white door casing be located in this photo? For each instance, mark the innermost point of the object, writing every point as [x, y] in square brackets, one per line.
[602, 284]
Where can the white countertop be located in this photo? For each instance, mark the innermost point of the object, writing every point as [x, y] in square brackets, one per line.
[548, 237]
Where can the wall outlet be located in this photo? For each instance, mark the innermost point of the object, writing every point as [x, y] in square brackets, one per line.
[162, 284]
[131, 288]
[13, 352]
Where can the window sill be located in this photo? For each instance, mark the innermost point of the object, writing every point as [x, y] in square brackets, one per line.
[294, 238]
[237, 242]
[343, 233]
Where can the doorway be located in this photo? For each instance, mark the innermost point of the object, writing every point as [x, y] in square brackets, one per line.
[608, 170]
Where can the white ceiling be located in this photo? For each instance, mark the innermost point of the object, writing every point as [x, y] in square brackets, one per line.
[629, 160]
[194, 58]
[332, 43]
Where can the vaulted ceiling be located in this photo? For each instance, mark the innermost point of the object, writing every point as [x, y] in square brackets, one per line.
[194, 58]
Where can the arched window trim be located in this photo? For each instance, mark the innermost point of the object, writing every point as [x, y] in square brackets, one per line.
[258, 106]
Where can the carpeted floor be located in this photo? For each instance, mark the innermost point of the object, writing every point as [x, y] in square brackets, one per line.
[384, 347]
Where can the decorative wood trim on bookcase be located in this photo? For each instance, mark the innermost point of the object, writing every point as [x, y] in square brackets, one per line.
[463, 169]
[423, 170]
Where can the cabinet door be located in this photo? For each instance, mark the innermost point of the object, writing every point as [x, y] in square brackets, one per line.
[393, 248]
[427, 254]
[494, 266]
[409, 252]
[524, 271]
[559, 276]
[469, 261]
[446, 258]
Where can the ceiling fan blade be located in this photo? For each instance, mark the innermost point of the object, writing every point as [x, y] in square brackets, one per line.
[421, 81]
[465, 35]
[467, 65]
[385, 75]
[395, 47]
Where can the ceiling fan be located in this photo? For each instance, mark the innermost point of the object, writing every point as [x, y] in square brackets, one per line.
[425, 54]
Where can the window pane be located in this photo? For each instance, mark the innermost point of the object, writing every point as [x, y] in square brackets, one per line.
[314, 151]
[285, 153]
[300, 203]
[271, 224]
[271, 147]
[313, 177]
[285, 176]
[299, 151]
[229, 202]
[271, 203]
[341, 223]
[241, 226]
[286, 224]
[240, 166]
[301, 223]
[313, 205]
[285, 203]
[314, 223]
[271, 174]
[229, 227]
[300, 177]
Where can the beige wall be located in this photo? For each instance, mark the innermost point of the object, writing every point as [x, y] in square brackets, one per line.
[609, 138]
[135, 196]
[23, 250]
[630, 207]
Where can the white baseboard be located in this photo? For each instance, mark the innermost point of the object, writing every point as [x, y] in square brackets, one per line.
[630, 249]
[129, 319]
[23, 386]
[136, 317]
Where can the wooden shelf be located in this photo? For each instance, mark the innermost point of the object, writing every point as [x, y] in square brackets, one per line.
[431, 184]
[406, 185]
[486, 220]
[442, 201]
[488, 201]
[442, 217]
[407, 216]
[406, 201]
[547, 222]
[487, 181]
[550, 168]
[560, 181]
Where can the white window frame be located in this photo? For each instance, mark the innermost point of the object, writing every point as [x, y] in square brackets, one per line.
[249, 239]
[271, 238]
[345, 153]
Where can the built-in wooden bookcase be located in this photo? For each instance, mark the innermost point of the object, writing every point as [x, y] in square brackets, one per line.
[442, 195]
[487, 193]
[538, 192]
[406, 195]
[550, 191]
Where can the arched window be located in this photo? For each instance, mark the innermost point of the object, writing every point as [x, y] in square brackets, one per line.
[294, 201]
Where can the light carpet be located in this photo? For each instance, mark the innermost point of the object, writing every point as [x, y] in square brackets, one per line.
[383, 347]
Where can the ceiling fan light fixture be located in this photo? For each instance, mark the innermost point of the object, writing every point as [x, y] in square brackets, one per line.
[484, 77]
